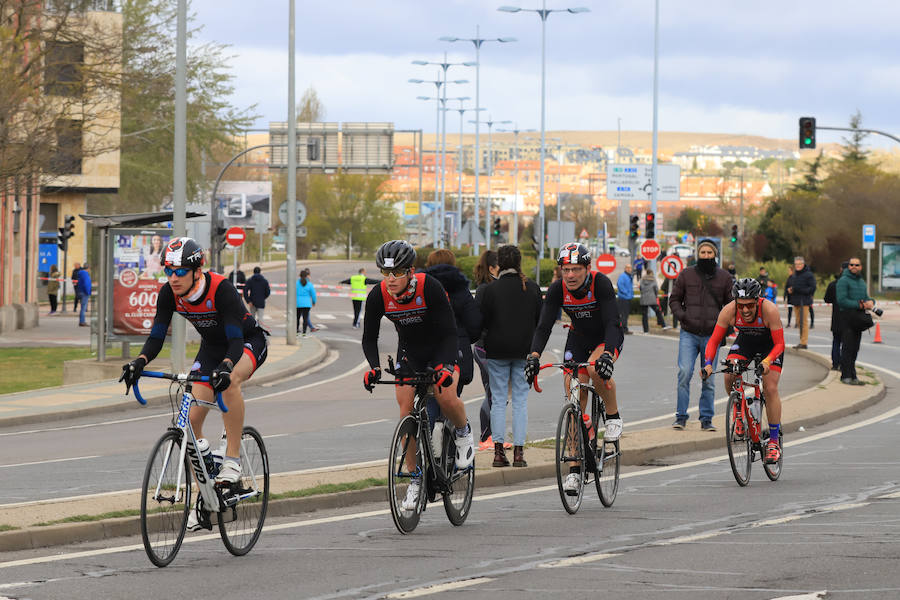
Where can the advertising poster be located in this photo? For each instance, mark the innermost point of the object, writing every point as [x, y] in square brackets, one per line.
[137, 277]
[890, 266]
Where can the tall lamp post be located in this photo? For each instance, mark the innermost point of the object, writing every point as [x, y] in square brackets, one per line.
[477, 41]
[514, 229]
[487, 203]
[459, 209]
[543, 13]
[440, 100]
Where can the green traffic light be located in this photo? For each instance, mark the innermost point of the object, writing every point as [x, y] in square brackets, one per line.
[807, 141]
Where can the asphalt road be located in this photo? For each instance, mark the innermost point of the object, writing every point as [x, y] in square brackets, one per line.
[320, 419]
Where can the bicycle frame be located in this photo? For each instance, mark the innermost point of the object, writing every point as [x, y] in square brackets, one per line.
[571, 369]
[740, 386]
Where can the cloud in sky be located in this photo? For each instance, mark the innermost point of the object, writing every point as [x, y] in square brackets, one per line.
[734, 67]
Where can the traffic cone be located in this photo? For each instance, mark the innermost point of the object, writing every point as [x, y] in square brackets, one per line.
[877, 339]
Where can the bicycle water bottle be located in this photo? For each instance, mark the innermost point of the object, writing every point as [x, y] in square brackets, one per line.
[437, 439]
[753, 404]
[203, 448]
[589, 426]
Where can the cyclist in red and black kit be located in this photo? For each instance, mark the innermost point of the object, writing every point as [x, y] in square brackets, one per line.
[759, 333]
[419, 308]
[595, 335]
[232, 344]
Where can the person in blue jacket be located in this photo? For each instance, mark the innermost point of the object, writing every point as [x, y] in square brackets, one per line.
[83, 292]
[625, 292]
[306, 299]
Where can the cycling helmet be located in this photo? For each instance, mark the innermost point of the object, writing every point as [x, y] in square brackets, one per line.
[183, 252]
[395, 254]
[574, 254]
[746, 289]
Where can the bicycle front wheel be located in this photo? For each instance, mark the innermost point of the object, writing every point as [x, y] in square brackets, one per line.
[165, 500]
[404, 466]
[737, 438]
[609, 460]
[458, 500]
[569, 455]
[241, 524]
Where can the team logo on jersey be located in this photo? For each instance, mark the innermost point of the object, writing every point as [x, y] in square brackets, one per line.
[391, 304]
[419, 300]
[590, 294]
[209, 304]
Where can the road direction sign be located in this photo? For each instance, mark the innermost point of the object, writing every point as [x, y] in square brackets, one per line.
[235, 236]
[671, 266]
[301, 213]
[868, 237]
[633, 182]
[606, 263]
[650, 250]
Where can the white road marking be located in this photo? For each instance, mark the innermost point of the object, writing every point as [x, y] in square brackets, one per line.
[365, 423]
[576, 560]
[358, 367]
[440, 587]
[811, 596]
[43, 462]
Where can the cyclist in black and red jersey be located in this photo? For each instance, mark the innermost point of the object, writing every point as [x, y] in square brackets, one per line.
[595, 336]
[419, 308]
[759, 333]
[232, 344]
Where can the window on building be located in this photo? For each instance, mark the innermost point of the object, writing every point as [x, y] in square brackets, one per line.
[63, 69]
[67, 159]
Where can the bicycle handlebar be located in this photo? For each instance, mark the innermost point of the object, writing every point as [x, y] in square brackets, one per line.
[739, 367]
[181, 377]
[570, 365]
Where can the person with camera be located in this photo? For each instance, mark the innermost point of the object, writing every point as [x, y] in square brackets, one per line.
[854, 302]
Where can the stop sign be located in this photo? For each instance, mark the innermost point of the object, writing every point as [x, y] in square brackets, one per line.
[650, 250]
[235, 236]
[606, 263]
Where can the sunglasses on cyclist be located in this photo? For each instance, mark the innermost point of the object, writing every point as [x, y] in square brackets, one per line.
[180, 271]
[395, 273]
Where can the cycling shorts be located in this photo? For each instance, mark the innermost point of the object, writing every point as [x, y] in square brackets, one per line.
[410, 362]
[579, 348]
[209, 357]
[745, 347]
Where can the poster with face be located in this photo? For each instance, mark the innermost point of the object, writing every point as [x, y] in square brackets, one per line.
[890, 266]
[137, 277]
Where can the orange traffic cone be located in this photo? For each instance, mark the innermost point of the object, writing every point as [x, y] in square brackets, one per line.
[877, 339]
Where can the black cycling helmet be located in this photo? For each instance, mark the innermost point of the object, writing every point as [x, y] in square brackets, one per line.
[746, 289]
[395, 254]
[574, 254]
[183, 252]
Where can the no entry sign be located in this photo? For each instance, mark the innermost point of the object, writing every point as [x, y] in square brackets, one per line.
[671, 266]
[235, 236]
[606, 263]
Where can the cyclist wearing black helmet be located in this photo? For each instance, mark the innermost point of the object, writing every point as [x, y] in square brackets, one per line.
[596, 333]
[232, 344]
[419, 308]
[759, 332]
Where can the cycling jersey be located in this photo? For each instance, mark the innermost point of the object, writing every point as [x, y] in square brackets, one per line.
[754, 338]
[592, 309]
[218, 315]
[425, 324]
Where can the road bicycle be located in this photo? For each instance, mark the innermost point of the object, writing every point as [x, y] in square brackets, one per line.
[417, 454]
[746, 424]
[239, 509]
[581, 447]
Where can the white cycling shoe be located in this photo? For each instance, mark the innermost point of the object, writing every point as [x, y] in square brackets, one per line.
[465, 450]
[613, 430]
[412, 495]
[572, 483]
[230, 472]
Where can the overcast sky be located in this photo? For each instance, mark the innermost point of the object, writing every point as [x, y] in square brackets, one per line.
[727, 66]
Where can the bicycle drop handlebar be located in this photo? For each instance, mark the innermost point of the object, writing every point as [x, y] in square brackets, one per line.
[180, 377]
[569, 365]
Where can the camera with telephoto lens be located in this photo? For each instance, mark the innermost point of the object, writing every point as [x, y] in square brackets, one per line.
[878, 311]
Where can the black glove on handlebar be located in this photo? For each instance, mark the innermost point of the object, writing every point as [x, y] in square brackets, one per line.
[221, 377]
[131, 372]
[532, 366]
[370, 377]
[604, 366]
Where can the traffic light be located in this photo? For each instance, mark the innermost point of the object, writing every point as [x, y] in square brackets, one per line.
[495, 231]
[219, 239]
[734, 235]
[65, 232]
[633, 227]
[650, 226]
[807, 132]
[312, 149]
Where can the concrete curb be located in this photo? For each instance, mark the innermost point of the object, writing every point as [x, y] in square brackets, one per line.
[156, 399]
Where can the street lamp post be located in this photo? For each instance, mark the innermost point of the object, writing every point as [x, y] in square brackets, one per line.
[514, 228]
[477, 41]
[543, 13]
[487, 203]
[459, 209]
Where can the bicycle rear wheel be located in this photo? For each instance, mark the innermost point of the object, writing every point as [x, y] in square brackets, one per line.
[241, 524]
[458, 500]
[404, 463]
[164, 513]
[570, 453]
[773, 471]
[608, 459]
[739, 453]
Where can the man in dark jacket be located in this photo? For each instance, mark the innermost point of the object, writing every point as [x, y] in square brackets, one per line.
[698, 295]
[802, 288]
[853, 299]
[831, 298]
[256, 290]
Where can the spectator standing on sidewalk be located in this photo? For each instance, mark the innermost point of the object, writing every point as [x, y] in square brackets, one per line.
[803, 286]
[486, 271]
[53, 288]
[854, 301]
[306, 299]
[83, 292]
[624, 294]
[639, 267]
[358, 292]
[698, 295]
[74, 278]
[836, 332]
[256, 290]
[650, 301]
[788, 299]
[511, 307]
